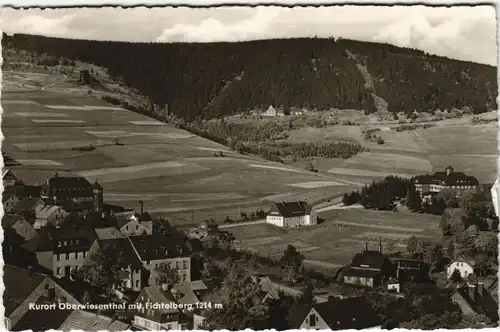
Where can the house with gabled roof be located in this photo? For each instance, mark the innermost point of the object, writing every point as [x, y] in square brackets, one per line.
[189, 292]
[163, 248]
[474, 299]
[463, 265]
[49, 215]
[292, 214]
[155, 310]
[26, 286]
[9, 201]
[91, 322]
[28, 204]
[8, 177]
[335, 314]
[127, 260]
[19, 224]
[136, 224]
[368, 269]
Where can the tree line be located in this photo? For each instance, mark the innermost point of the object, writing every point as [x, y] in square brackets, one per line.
[303, 72]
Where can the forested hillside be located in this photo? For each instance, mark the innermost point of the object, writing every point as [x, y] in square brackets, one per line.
[199, 80]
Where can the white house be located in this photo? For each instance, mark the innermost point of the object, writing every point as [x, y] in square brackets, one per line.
[465, 268]
[270, 111]
[292, 214]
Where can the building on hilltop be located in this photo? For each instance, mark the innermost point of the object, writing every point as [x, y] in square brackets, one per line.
[58, 190]
[335, 314]
[292, 214]
[449, 179]
[464, 266]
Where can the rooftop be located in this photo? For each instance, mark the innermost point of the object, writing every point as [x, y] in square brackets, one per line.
[91, 322]
[291, 209]
[19, 284]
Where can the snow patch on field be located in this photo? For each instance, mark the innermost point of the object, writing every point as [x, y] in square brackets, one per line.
[58, 121]
[212, 149]
[167, 135]
[38, 162]
[147, 123]
[360, 172]
[139, 172]
[275, 168]
[60, 145]
[67, 107]
[18, 102]
[109, 134]
[42, 114]
[316, 184]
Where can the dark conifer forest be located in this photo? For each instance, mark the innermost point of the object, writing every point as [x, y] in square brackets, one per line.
[210, 80]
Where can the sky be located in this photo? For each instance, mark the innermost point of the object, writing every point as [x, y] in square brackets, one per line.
[464, 33]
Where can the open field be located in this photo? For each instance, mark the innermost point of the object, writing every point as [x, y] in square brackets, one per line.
[344, 233]
[136, 158]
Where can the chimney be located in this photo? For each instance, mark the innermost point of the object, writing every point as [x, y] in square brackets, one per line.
[56, 175]
[366, 246]
[331, 298]
[31, 270]
[480, 288]
[380, 245]
[472, 292]
[142, 207]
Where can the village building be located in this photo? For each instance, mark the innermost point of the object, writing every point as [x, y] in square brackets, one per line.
[10, 200]
[368, 269]
[19, 225]
[61, 250]
[28, 205]
[49, 215]
[26, 286]
[128, 261]
[464, 266]
[59, 190]
[189, 292]
[292, 214]
[410, 270]
[157, 249]
[9, 179]
[136, 223]
[164, 317]
[335, 314]
[474, 299]
[91, 322]
[449, 179]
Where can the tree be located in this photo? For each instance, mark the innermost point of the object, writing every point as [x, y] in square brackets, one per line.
[431, 321]
[430, 252]
[166, 275]
[456, 276]
[412, 245]
[213, 275]
[242, 307]
[86, 298]
[291, 262]
[103, 269]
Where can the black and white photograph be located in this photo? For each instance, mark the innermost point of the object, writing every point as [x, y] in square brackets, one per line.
[237, 167]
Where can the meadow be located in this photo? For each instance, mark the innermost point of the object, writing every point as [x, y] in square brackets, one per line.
[334, 242]
[175, 173]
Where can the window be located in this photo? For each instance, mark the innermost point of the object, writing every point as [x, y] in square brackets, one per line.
[58, 271]
[136, 227]
[177, 265]
[58, 257]
[67, 256]
[312, 320]
[126, 228]
[148, 262]
[185, 264]
[137, 283]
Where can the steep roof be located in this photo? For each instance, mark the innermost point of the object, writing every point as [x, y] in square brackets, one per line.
[339, 314]
[454, 178]
[41, 242]
[91, 322]
[19, 284]
[291, 209]
[373, 259]
[484, 304]
[9, 220]
[96, 185]
[124, 249]
[157, 295]
[68, 182]
[156, 246]
[108, 233]
[27, 204]
[360, 273]
[41, 320]
[190, 291]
